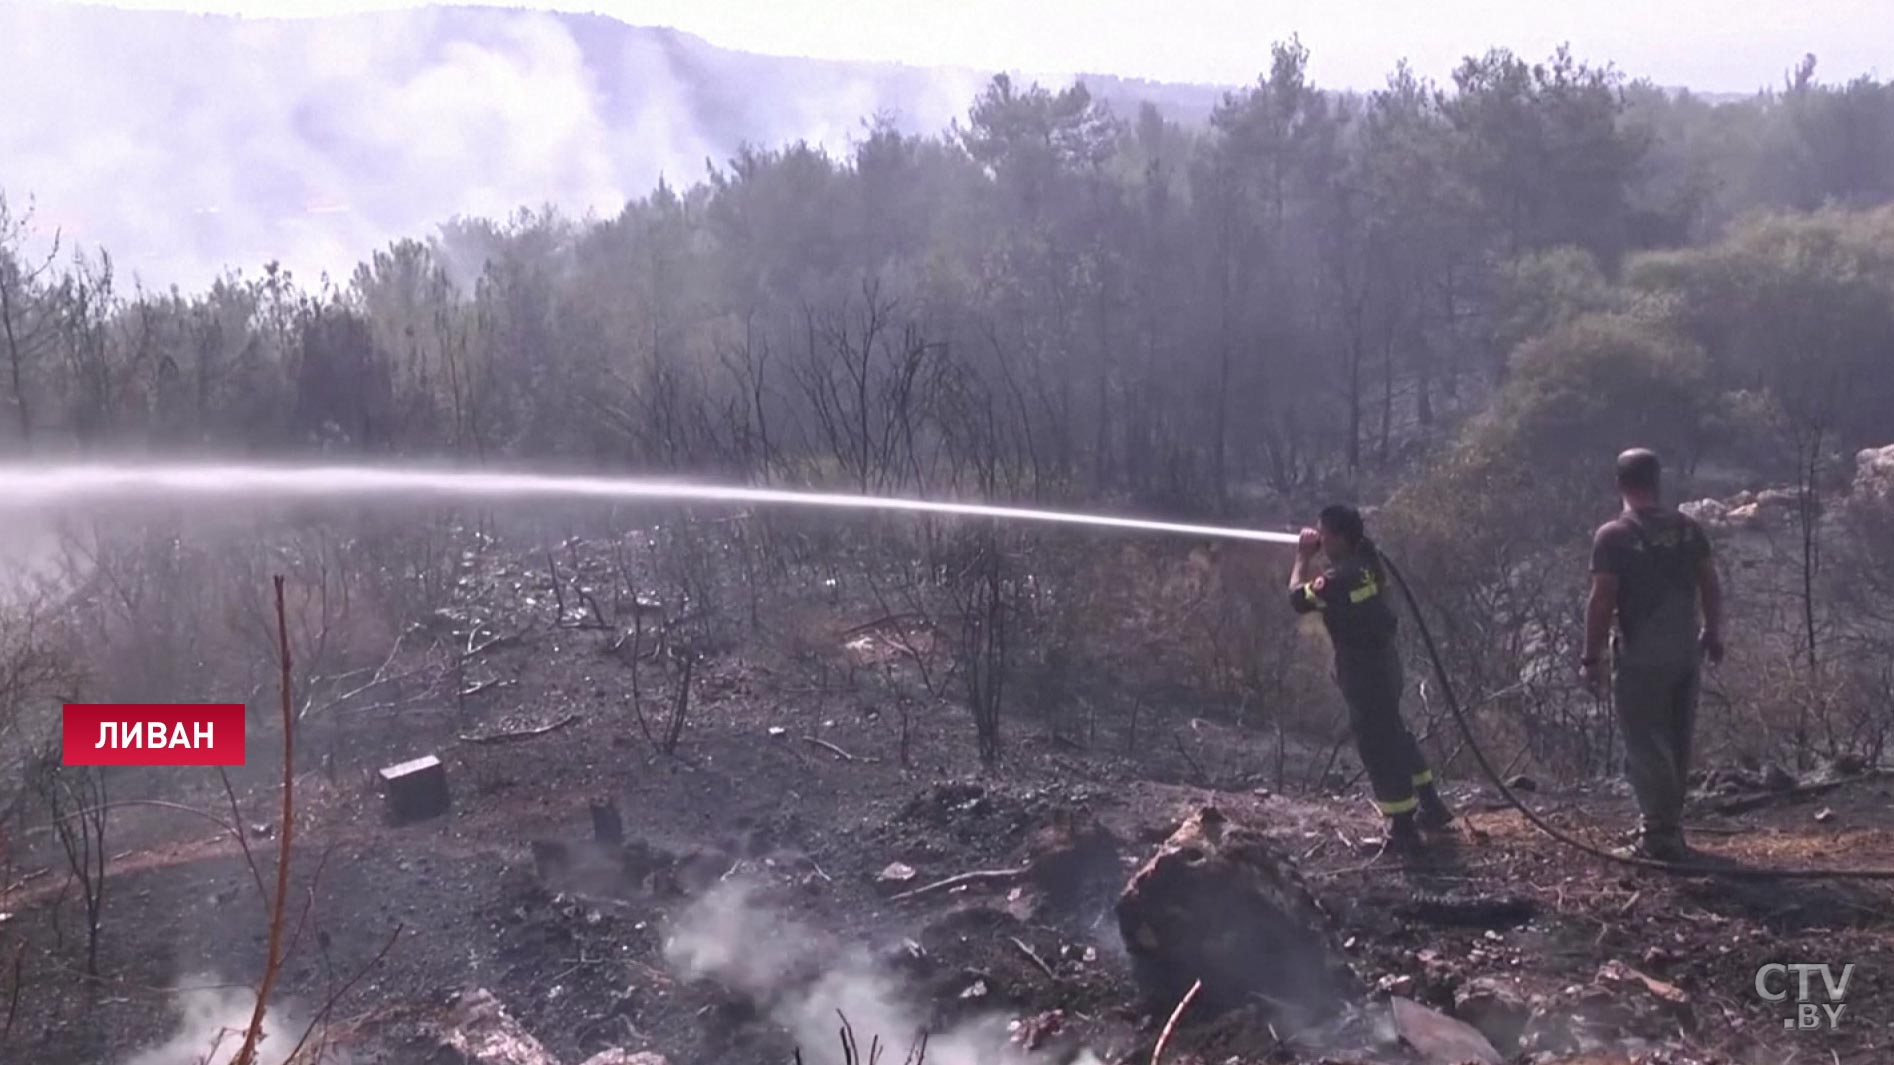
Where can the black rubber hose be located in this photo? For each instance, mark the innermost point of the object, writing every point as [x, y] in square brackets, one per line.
[1486, 766]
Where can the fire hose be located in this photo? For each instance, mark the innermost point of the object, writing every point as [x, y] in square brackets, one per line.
[1559, 835]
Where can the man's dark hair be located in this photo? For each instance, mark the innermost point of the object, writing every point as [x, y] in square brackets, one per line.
[1344, 521]
[1638, 470]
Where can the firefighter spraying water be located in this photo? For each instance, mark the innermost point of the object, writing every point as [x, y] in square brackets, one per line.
[1361, 626]
[1350, 593]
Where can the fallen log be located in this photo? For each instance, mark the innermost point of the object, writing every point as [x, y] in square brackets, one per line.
[979, 876]
[1478, 911]
[816, 741]
[520, 734]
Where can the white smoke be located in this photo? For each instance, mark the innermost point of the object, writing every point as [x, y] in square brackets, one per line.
[810, 983]
[187, 144]
[210, 1028]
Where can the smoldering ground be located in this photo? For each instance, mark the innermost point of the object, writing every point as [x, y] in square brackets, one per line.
[810, 982]
[210, 1023]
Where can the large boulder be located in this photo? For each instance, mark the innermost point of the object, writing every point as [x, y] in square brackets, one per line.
[1219, 903]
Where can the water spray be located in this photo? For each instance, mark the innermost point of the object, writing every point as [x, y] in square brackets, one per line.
[36, 486]
[28, 487]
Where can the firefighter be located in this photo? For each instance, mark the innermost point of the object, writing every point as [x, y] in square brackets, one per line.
[1351, 595]
[1652, 573]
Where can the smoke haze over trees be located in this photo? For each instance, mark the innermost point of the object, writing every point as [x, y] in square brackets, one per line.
[314, 141]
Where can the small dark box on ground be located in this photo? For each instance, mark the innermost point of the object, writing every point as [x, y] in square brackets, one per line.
[607, 826]
[415, 791]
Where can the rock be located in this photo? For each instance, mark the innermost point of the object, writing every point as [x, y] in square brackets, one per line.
[1706, 511]
[616, 1056]
[1778, 497]
[1439, 1038]
[1219, 903]
[1874, 473]
[896, 873]
[1497, 1008]
[479, 1029]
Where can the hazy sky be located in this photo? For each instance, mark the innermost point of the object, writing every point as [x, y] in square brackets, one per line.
[185, 145]
[1713, 45]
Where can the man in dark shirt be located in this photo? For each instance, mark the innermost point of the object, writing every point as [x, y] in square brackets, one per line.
[1351, 597]
[1651, 569]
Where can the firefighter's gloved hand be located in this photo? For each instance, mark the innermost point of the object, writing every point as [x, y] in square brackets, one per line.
[1308, 543]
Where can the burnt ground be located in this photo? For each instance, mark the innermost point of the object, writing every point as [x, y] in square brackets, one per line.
[575, 944]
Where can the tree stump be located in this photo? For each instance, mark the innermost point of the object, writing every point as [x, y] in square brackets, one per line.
[1219, 903]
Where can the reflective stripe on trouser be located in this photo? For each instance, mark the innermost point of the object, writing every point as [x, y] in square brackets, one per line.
[1371, 683]
[1657, 710]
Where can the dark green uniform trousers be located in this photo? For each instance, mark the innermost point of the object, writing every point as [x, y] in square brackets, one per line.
[1371, 681]
[1657, 711]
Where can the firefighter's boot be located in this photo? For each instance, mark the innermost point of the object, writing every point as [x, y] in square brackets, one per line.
[1404, 839]
[1435, 814]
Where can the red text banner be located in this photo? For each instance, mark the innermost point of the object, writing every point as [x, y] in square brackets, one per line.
[154, 734]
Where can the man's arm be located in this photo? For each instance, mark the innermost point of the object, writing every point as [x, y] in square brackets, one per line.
[1599, 610]
[1710, 589]
[1607, 560]
[1305, 596]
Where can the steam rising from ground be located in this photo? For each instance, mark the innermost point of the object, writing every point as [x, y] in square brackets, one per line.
[210, 1030]
[804, 979]
[184, 144]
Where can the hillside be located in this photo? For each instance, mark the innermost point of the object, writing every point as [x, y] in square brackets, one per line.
[753, 886]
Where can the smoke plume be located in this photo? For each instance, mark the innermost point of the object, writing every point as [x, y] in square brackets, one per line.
[188, 144]
[805, 979]
[210, 1028]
